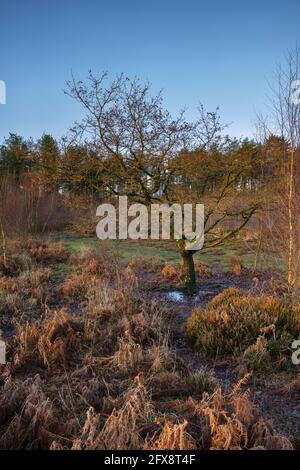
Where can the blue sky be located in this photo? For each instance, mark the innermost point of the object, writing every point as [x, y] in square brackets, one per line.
[220, 53]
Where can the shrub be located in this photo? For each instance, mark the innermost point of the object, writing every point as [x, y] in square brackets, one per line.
[203, 380]
[235, 323]
[257, 355]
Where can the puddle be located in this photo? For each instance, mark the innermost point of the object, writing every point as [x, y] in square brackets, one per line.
[207, 290]
[176, 296]
[199, 296]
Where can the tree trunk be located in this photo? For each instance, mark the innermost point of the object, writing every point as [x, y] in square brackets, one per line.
[291, 273]
[3, 236]
[188, 270]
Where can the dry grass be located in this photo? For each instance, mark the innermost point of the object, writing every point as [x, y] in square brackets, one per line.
[54, 253]
[173, 437]
[24, 296]
[48, 342]
[100, 371]
[88, 268]
[35, 425]
[76, 286]
[170, 273]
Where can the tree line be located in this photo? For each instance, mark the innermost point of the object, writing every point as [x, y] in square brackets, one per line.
[76, 169]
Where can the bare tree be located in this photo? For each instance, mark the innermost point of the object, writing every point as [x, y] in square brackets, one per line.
[132, 137]
[285, 121]
[135, 147]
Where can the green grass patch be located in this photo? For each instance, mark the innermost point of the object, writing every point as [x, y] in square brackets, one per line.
[220, 257]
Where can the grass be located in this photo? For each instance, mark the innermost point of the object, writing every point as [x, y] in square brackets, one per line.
[221, 257]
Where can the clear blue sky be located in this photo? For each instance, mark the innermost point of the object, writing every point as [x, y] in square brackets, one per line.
[220, 53]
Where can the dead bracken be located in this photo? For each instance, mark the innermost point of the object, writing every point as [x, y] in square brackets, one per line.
[102, 372]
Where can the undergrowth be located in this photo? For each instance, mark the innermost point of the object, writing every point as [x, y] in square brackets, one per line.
[91, 363]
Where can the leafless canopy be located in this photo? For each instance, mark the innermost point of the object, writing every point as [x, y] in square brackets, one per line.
[285, 112]
[133, 137]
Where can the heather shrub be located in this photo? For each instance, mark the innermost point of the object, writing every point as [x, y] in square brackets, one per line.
[261, 328]
[203, 380]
